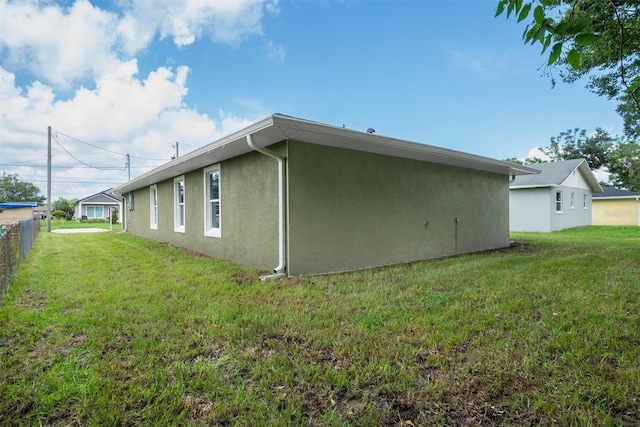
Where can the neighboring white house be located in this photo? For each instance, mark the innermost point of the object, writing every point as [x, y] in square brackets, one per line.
[97, 206]
[558, 198]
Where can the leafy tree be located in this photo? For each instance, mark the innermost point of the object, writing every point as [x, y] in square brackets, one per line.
[601, 150]
[12, 189]
[514, 160]
[65, 205]
[624, 166]
[575, 143]
[599, 39]
[527, 161]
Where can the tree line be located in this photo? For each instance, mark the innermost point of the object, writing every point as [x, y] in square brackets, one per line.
[13, 189]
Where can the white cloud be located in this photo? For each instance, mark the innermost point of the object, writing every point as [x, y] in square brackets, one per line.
[123, 114]
[276, 52]
[55, 44]
[483, 61]
[536, 152]
[61, 45]
[225, 21]
[117, 109]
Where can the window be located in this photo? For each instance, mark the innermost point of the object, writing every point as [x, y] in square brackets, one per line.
[573, 200]
[212, 201]
[131, 200]
[179, 204]
[558, 201]
[584, 201]
[95, 212]
[153, 207]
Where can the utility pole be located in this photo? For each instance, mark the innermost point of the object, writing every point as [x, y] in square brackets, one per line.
[176, 147]
[129, 166]
[49, 180]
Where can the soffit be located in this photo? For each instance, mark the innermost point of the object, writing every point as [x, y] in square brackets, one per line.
[279, 127]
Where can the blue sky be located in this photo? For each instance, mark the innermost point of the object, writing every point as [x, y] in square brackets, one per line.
[134, 76]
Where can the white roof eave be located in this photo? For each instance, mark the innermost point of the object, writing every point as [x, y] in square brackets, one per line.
[279, 128]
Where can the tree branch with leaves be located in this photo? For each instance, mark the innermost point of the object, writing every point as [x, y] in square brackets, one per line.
[598, 39]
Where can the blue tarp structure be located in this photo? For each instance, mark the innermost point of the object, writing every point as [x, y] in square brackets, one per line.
[17, 205]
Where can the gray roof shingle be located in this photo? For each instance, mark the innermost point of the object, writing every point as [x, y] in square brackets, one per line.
[555, 173]
[611, 192]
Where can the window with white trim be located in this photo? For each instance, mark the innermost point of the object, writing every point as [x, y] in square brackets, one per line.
[94, 212]
[573, 200]
[179, 212]
[212, 201]
[558, 201]
[584, 201]
[153, 207]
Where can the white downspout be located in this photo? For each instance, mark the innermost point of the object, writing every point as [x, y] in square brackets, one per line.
[280, 269]
[124, 212]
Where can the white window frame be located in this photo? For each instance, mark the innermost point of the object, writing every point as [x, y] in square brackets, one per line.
[573, 200]
[179, 207]
[153, 207]
[94, 208]
[209, 229]
[584, 201]
[559, 201]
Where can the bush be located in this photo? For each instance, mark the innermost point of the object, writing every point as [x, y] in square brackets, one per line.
[59, 214]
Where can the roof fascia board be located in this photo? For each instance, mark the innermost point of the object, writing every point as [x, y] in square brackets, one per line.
[179, 165]
[615, 197]
[394, 143]
[88, 199]
[518, 187]
[375, 144]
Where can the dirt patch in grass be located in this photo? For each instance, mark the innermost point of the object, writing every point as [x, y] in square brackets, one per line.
[243, 278]
[32, 300]
[45, 352]
[198, 405]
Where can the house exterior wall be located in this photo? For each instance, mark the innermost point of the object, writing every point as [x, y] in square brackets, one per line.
[571, 216]
[249, 212]
[529, 209]
[616, 211]
[534, 209]
[15, 215]
[576, 180]
[350, 210]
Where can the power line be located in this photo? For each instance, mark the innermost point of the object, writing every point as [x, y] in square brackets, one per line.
[104, 149]
[77, 159]
[84, 142]
[76, 182]
[74, 167]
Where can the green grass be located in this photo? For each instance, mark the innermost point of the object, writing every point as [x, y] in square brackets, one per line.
[70, 223]
[110, 329]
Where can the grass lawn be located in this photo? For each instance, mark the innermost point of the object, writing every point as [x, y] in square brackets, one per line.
[111, 329]
[66, 223]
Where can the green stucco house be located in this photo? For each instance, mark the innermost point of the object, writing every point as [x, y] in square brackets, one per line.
[299, 197]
